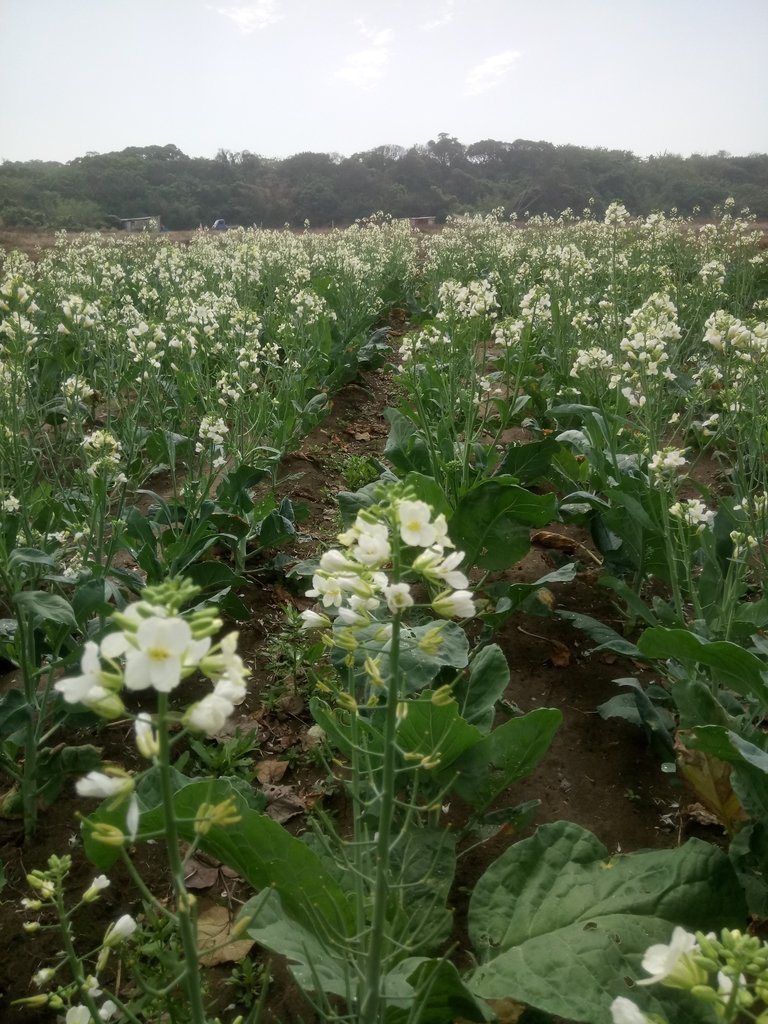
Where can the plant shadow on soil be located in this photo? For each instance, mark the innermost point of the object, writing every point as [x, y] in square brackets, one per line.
[599, 774]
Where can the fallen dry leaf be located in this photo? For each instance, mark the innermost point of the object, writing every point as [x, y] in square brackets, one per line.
[555, 541]
[363, 436]
[710, 779]
[269, 772]
[283, 803]
[214, 926]
[200, 875]
[507, 1011]
[560, 655]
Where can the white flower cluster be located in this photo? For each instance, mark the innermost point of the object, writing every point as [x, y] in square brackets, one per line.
[664, 464]
[616, 215]
[467, 301]
[693, 512]
[649, 329]
[76, 389]
[158, 650]
[426, 341]
[536, 305]
[508, 333]
[713, 273]
[726, 333]
[592, 360]
[354, 583]
[104, 452]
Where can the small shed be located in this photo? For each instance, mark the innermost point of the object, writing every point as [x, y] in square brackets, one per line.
[140, 223]
[419, 223]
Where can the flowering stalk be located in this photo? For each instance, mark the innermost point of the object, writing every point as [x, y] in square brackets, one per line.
[184, 901]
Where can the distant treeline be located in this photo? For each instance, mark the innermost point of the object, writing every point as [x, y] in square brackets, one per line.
[443, 177]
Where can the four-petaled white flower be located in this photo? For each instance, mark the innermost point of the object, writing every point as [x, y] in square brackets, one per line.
[660, 961]
[398, 597]
[416, 529]
[163, 647]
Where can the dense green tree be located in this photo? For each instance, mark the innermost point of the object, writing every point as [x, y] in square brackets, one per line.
[442, 177]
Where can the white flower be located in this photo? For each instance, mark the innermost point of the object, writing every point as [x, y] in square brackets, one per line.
[43, 976]
[10, 504]
[624, 1011]
[122, 929]
[101, 786]
[78, 1015]
[75, 690]
[132, 818]
[372, 546]
[328, 589]
[147, 742]
[209, 715]
[231, 689]
[442, 570]
[92, 892]
[660, 961]
[398, 597]
[108, 1010]
[163, 648]
[456, 605]
[415, 527]
[311, 620]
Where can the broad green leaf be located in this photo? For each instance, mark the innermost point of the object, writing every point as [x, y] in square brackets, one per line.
[15, 713]
[529, 462]
[406, 448]
[491, 522]
[478, 691]
[436, 730]
[257, 848]
[607, 639]
[29, 556]
[503, 757]
[43, 607]
[559, 924]
[730, 663]
[434, 986]
[427, 489]
[317, 963]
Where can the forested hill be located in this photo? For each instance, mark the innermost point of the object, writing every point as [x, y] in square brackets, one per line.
[443, 177]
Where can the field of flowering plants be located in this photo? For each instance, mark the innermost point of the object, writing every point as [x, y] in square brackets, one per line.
[337, 571]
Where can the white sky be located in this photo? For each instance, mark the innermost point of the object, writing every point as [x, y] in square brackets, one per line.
[278, 77]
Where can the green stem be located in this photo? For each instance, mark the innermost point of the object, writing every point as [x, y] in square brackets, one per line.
[371, 1001]
[183, 916]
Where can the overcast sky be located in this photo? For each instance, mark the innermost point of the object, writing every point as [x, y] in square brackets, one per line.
[278, 77]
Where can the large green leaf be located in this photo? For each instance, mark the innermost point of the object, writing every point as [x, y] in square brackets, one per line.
[529, 462]
[491, 522]
[730, 663]
[607, 639]
[478, 691]
[434, 986]
[257, 848]
[559, 924]
[436, 730]
[316, 961]
[43, 607]
[506, 755]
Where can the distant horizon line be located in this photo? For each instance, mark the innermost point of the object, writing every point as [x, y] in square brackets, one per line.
[336, 154]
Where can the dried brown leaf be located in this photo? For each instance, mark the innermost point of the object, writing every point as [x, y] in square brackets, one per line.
[214, 927]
